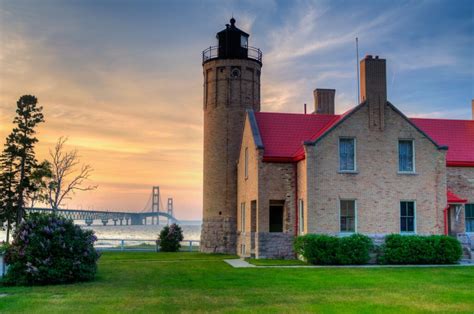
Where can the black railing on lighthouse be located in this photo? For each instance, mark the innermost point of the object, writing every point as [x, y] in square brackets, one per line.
[213, 53]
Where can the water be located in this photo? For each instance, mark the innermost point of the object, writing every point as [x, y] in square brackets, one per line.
[191, 231]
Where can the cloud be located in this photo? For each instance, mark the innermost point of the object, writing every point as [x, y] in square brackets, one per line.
[124, 82]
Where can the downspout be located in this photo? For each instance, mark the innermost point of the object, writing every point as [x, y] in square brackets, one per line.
[445, 211]
[296, 198]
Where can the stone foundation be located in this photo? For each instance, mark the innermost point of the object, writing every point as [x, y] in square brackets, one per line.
[218, 235]
[274, 245]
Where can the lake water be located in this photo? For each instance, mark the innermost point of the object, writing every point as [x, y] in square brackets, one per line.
[191, 231]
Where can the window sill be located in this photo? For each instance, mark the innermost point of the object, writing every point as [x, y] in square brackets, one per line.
[408, 233]
[346, 234]
[407, 173]
[348, 172]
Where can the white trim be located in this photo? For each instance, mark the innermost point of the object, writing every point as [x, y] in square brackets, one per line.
[414, 218]
[355, 216]
[242, 217]
[339, 154]
[301, 216]
[413, 158]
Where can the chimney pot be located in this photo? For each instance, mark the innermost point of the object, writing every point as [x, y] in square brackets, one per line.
[368, 57]
[324, 100]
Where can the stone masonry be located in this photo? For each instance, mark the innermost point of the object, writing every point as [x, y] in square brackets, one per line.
[230, 87]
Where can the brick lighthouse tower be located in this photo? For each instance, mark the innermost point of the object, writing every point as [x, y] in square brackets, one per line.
[231, 86]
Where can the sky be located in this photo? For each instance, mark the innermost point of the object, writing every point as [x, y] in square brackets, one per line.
[123, 79]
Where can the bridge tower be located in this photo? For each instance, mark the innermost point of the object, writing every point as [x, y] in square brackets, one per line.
[231, 86]
[170, 208]
[155, 205]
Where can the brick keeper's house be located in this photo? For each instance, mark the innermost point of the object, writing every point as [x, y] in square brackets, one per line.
[370, 170]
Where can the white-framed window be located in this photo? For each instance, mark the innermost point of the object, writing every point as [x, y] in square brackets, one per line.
[301, 216]
[246, 163]
[244, 41]
[242, 217]
[347, 216]
[407, 217]
[469, 217]
[406, 156]
[347, 154]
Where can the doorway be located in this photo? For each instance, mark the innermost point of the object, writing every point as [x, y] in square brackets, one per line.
[276, 216]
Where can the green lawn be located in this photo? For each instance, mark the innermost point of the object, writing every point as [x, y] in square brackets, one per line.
[194, 282]
[276, 262]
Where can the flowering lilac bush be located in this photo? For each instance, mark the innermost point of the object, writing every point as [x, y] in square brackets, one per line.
[48, 249]
[170, 238]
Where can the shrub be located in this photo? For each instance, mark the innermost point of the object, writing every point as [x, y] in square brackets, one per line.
[48, 249]
[330, 250]
[170, 238]
[413, 249]
[3, 248]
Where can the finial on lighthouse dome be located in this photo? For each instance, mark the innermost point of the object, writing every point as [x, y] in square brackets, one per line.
[232, 21]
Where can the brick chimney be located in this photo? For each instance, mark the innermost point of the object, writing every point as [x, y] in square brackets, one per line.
[373, 89]
[324, 100]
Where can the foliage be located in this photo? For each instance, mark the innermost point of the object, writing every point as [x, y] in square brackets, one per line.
[3, 247]
[67, 177]
[329, 250]
[39, 178]
[18, 160]
[414, 249]
[48, 249]
[170, 238]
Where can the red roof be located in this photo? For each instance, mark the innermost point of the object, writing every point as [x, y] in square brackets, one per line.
[283, 135]
[458, 135]
[454, 199]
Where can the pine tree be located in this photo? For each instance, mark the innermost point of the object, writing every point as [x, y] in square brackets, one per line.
[18, 160]
[8, 182]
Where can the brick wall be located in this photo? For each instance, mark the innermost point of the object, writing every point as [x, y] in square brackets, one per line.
[377, 187]
[226, 99]
[461, 182]
[265, 182]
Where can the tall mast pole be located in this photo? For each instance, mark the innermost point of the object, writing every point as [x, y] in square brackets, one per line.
[357, 65]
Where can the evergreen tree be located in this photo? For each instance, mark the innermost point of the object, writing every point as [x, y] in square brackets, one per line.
[18, 159]
[8, 182]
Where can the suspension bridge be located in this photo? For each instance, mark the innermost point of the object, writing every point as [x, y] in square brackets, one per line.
[151, 213]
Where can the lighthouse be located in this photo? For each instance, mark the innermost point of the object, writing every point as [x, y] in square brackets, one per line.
[231, 71]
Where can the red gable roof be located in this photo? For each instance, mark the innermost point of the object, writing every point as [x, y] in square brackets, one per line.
[283, 135]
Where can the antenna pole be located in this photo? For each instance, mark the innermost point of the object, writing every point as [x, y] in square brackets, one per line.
[357, 65]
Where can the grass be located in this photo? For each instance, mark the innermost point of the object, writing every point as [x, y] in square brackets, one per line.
[276, 262]
[147, 282]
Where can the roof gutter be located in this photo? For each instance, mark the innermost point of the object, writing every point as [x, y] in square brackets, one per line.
[460, 163]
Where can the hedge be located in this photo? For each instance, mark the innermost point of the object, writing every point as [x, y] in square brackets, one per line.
[330, 250]
[414, 249]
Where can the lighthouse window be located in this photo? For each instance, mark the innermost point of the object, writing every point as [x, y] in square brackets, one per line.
[244, 41]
